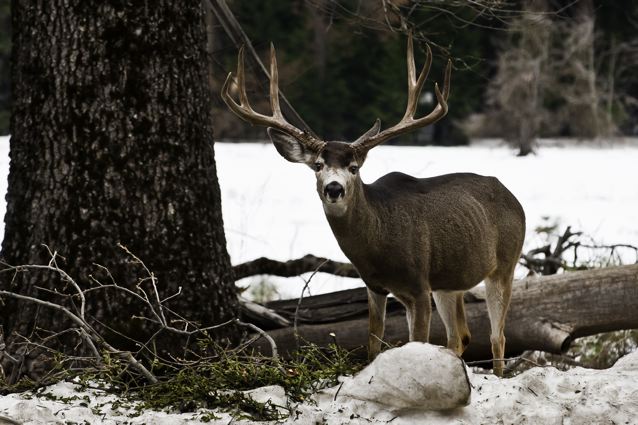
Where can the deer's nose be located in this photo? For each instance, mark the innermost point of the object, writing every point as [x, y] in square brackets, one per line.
[333, 190]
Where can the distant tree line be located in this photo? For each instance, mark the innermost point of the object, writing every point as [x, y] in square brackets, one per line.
[532, 68]
[521, 69]
[566, 72]
[342, 65]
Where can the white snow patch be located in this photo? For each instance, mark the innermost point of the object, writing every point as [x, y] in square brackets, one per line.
[271, 208]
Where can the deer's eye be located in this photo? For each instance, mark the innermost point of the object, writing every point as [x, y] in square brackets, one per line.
[318, 166]
[353, 169]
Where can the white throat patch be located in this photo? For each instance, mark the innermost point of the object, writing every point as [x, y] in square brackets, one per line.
[336, 209]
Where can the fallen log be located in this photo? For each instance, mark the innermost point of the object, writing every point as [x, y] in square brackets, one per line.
[546, 313]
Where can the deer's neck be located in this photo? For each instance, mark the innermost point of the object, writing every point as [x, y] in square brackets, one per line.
[354, 226]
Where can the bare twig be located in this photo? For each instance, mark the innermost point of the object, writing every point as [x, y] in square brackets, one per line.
[152, 278]
[154, 310]
[305, 264]
[306, 284]
[553, 260]
[261, 332]
[89, 334]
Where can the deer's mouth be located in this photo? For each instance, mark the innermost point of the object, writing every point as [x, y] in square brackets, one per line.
[334, 207]
[333, 199]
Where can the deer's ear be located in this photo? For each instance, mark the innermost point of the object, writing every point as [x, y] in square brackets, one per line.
[290, 148]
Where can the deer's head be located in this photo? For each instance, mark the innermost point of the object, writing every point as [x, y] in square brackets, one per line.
[336, 164]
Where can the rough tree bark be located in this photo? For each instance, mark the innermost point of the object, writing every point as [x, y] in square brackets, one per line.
[545, 313]
[5, 55]
[112, 143]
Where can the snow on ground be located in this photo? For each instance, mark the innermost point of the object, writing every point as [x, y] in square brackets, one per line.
[541, 395]
[271, 208]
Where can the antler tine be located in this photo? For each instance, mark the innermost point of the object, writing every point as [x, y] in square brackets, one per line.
[243, 108]
[415, 85]
[274, 84]
[441, 108]
[412, 99]
[277, 121]
[408, 122]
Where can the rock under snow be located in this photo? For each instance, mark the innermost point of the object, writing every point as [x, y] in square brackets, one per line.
[414, 376]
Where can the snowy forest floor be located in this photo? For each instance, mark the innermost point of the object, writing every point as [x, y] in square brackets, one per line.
[541, 395]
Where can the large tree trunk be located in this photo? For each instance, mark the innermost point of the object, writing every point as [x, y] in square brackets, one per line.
[5, 54]
[545, 313]
[112, 143]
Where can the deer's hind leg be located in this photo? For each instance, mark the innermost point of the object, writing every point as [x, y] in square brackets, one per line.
[498, 288]
[452, 311]
[464, 330]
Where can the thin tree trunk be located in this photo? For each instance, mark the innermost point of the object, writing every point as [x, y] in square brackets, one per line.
[586, 18]
[112, 143]
[318, 23]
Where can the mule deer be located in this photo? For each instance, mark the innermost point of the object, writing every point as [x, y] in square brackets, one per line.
[407, 236]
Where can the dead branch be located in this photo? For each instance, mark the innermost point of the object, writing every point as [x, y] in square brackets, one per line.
[154, 310]
[552, 260]
[305, 264]
[549, 259]
[87, 332]
[260, 315]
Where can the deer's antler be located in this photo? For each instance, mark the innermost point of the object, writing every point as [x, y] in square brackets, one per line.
[247, 113]
[408, 122]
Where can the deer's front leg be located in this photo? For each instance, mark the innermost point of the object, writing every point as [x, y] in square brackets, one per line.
[376, 322]
[419, 311]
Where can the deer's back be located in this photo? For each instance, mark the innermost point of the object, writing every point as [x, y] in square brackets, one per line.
[457, 227]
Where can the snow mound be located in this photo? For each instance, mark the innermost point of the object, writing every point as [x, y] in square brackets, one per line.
[416, 375]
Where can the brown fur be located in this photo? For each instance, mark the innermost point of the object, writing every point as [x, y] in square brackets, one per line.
[409, 237]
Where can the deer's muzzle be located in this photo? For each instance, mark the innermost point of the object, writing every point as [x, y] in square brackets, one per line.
[333, 191]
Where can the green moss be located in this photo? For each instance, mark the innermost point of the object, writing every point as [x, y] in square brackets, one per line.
[220, 383]
[217, 382]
